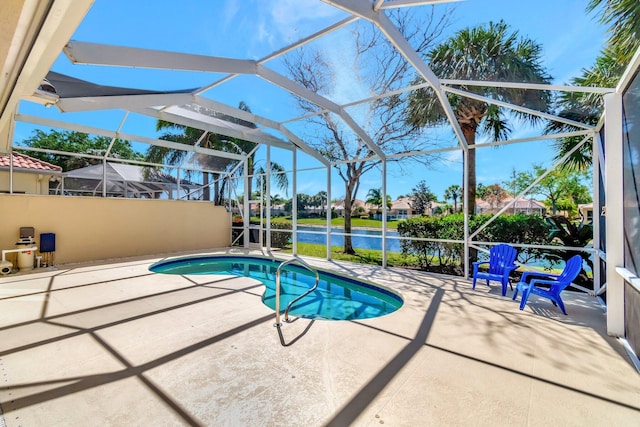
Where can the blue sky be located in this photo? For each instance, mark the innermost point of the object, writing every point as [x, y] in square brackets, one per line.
[254, 28]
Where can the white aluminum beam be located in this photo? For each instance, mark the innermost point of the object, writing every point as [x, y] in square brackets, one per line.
[308, 39]
[192, 119]
[517, 108]
[615, 213]
[185, 111]
[303, 145]
[305, 116]
[61, 21]
[85, 53]
[285, 50]
[301, 91]
[109, 159]
[235, 112]
[113, 139]
[532, 86]
[384, 214]
[294, 204]
[59, 152]
[533, 138]
[385, 95]
[363, 9]
[493, 144]
[253, 118]
[268, 197]
[112, 134]
[123, 102]
[629, 72]
[394, 4]
[328, 213]
[596, 172]
[120, 56]
[384, 24]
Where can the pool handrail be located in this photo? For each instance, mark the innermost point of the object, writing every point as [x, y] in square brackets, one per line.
[278, 273]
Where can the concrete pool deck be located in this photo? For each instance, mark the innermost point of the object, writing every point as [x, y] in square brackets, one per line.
[113, 344]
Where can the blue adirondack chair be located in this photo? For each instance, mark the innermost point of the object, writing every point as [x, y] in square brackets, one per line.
[501, 258]
[556, 283]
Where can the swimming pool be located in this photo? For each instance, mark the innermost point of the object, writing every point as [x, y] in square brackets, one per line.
[336, 298]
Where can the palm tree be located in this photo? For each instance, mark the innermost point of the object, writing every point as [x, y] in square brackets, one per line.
[374, 197]
[623, 16]
[277, 174]
[189, 136]
[321, 200]
[277, 199]
[486, 52]
[452, 193]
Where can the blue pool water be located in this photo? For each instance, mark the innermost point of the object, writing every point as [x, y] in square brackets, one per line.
[336, 298]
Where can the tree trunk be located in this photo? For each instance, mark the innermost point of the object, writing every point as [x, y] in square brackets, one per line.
[470, 137]
[348, 202]
[554, 208]
[216, 189]
[248, 191]
[206, 191]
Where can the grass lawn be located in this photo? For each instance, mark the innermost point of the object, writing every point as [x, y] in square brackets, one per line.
[339, 222]
[363, 256]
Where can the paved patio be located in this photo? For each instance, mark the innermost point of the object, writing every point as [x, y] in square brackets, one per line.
[113, 344]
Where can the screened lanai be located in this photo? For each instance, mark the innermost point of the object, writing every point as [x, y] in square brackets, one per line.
[286, 107]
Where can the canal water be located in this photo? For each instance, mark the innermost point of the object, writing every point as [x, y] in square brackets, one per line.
[307, 235]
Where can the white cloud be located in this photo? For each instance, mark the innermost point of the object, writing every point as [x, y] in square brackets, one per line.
[453, 157]
[263, 34]
[288, 15]
[278, 22]
[340, 52]
[229, 13]
[262, 26]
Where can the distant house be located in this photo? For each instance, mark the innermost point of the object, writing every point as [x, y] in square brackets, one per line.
[338, 207]
[400, 209]
[30, 175]
[521, 205]
[278, 210]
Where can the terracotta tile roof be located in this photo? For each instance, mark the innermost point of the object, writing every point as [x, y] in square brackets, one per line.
[22, 161]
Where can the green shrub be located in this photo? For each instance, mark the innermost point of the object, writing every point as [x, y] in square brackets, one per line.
[280, 239]
[447, 257]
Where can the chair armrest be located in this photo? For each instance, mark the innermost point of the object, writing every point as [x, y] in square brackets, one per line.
[510, 268]
[528, 274]
[535, 282]
[477, 263]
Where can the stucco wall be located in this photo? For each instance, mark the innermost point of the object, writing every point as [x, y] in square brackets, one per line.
[94, 228]
[30, 183]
